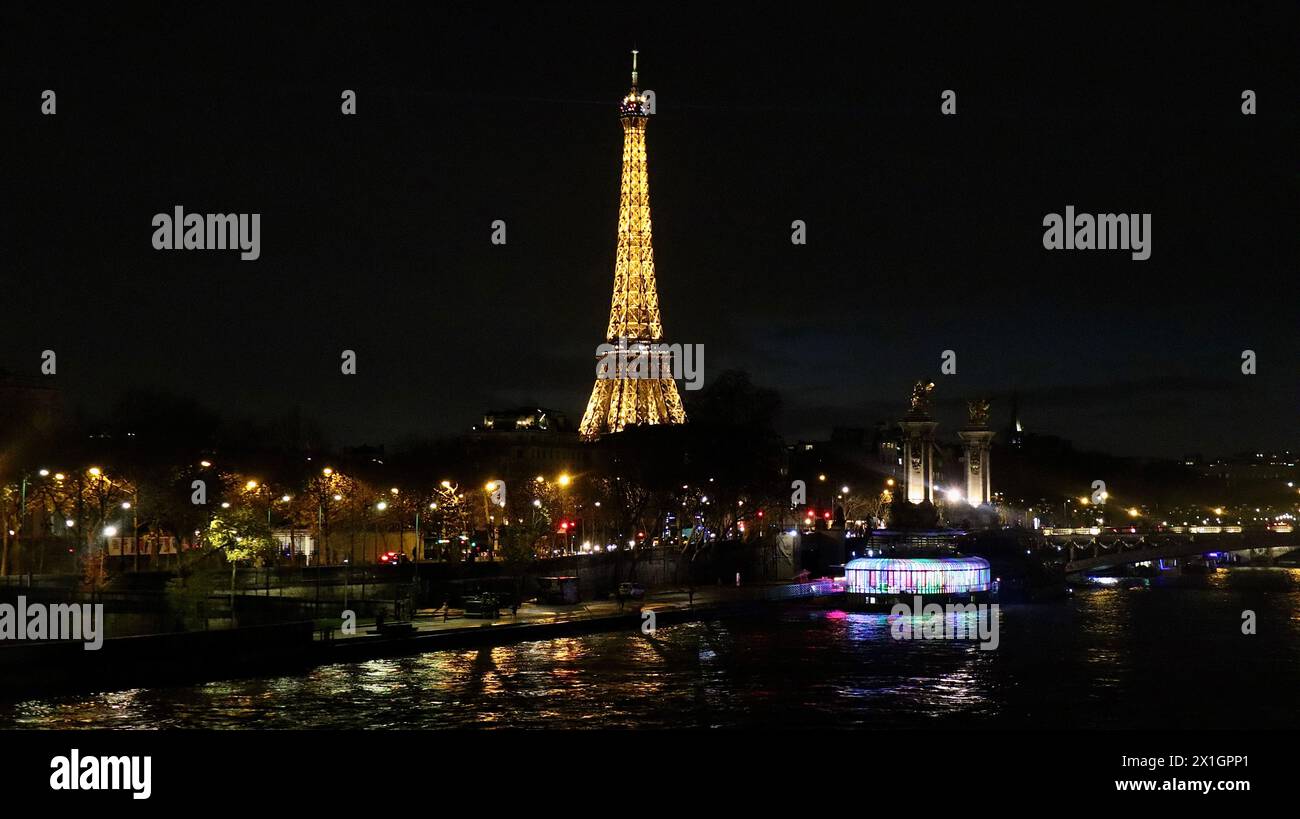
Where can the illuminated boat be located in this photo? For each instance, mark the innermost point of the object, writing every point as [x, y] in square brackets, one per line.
[874, 581]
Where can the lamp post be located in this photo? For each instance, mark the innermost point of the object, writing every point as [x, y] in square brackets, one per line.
[135, 529]
[49, 506]
[108, 532]
[563, 481]
[489, 519]
[830, 502]
[98, 475]
[22, 509]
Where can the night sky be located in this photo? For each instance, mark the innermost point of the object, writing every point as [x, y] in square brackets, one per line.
[924, 231]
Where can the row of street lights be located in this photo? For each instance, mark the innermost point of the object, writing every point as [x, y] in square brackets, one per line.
[447, 492]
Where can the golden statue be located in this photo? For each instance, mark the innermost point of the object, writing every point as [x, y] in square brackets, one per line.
[921, 397]
[979, 412]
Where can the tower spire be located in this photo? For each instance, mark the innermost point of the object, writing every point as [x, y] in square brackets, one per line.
[634, 378]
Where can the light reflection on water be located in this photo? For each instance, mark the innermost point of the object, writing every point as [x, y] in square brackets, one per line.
[1171, 655]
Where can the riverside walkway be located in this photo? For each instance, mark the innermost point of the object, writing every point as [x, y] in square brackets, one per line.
[436, 629]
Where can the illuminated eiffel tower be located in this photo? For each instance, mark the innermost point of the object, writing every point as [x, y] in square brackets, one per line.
[635, 385]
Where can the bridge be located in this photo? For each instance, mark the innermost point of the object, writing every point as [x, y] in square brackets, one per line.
[1089, 549]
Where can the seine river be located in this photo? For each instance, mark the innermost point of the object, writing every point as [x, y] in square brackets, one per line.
[1170, 655]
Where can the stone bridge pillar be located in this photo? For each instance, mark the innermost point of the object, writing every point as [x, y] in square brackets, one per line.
[979, 486]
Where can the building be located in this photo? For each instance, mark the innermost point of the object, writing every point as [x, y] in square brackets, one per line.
[525, 442]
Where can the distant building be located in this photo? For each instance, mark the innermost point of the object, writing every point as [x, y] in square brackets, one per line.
[296, 543]
[524, 419]
[859, 450]
[1254, 466]
[527, 441]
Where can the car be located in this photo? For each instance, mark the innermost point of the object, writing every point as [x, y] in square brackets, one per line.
[634, 591]
[393, 558]
[482, 605]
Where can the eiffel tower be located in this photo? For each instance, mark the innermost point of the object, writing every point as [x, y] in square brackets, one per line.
[633, 386]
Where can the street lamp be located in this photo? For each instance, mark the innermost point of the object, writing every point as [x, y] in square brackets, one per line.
[323, 553]
[562, 481]
[489, 520]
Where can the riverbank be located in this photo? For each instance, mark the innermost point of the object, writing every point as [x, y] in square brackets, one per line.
[190, 657]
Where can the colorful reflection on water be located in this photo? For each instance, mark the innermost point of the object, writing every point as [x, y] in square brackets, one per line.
[1169, 655]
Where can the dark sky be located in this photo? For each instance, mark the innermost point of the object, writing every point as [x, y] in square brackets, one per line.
[925, 232]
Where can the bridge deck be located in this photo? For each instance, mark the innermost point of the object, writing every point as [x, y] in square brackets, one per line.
[1104, 549]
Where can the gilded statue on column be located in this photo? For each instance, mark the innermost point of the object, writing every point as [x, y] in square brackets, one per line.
[921, 397]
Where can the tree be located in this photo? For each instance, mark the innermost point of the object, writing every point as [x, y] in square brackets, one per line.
[240, 533]
[51, 501]
[94, 574]
[9, 517]
[869, 507]
[519, 547]
[326, 498]
[450, 516]
[187, 593]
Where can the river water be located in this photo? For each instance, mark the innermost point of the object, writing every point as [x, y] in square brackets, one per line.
[1172, 655]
